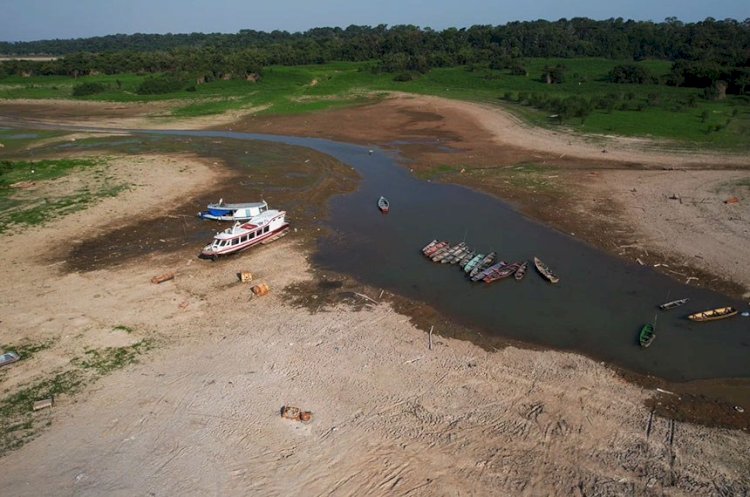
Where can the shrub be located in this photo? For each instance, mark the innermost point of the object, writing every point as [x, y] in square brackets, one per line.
[85, 89]
[157, 85]
[404, 76]
[630, 73]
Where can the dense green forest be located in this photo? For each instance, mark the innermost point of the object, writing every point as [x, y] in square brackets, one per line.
[703, 53]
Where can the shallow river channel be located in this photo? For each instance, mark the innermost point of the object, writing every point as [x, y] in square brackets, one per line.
[597, 308]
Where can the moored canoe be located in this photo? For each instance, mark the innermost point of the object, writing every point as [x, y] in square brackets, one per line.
[545, 271]
[647, 335]
[713, 314]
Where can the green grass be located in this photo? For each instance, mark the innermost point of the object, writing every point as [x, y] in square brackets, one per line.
[103, 361]
[20, 424]
[27, 349]
[665, 112]
[19, 207]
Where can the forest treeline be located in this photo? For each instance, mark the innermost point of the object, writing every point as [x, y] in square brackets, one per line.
[703, 52]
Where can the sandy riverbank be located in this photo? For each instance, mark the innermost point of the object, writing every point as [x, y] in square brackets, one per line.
[200, 414]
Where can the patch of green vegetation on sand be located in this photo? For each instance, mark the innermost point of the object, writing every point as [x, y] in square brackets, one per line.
[19, 423]
[21, 204]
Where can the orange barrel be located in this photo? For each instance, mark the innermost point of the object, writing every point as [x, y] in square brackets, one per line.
[260, 290]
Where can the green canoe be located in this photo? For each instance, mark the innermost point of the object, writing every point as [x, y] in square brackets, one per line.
[647, 335]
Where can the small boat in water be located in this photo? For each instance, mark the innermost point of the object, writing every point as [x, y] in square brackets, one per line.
[233, 212]
[473, 262]
[262, 229]
[465, 259]
[456, 256]
[429, 246]
[545, 271]
[430, 251]
[488, 261]
[502, 272]
[384, 205]
[647, 335]
[440, 253]
[671, 305]
[489, 270]
[713, 314]
[438, 257]
[521, 272]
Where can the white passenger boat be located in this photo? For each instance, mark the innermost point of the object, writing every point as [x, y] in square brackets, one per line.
[233, 212]
[263, 228]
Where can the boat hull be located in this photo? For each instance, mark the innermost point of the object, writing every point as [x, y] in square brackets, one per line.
[713, 314]
[545, 271]
[647, 335]
[671, 305]
[384, 205]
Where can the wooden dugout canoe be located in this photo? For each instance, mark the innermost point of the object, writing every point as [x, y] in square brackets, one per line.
[713, 314]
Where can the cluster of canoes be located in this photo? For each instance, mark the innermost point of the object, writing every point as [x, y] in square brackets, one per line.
[482, 266]
[648, 332]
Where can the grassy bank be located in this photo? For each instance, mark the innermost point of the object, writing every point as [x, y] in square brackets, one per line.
[660, 111]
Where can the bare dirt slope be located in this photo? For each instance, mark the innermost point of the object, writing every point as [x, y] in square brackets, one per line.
[200, 414]
[704, 216]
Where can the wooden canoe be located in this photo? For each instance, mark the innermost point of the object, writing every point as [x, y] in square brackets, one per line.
[713, 314]
[521, 271]
[488, 260]
[481, 275]
[671, 305]
[502, 272]
[431, 251]
[545, 271]
[647, 335]
[427, 247]
[473, 262]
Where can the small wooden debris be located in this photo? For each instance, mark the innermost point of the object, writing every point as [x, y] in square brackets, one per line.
[290, 412]
[295, 414]
[42, 404]
[245, 276]
[162, 278]
[260, 290]
[365, 297]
